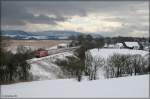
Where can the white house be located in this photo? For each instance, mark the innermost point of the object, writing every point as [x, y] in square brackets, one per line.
[146, 48]
[134, 45]
[111, 46]
[62, 45]
[119, 45]
[106, 45]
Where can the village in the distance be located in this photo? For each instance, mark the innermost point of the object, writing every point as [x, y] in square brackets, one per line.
[81, 50]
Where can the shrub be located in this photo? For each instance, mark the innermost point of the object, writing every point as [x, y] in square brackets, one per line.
[14, 67]
[72, 67]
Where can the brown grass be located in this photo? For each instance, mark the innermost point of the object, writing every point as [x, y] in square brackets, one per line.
[36, 43]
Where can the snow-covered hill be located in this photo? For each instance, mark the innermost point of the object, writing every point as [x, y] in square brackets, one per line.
[124, 87]
[45, 68]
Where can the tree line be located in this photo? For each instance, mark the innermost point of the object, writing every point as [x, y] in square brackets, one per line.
[13, 67]
[117, 65]
[113, 40]
[124, 65]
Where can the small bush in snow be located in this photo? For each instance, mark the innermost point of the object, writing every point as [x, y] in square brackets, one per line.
[72, 67]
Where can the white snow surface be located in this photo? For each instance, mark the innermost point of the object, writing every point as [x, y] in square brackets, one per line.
[45, 68]
[53, 47]
[106, 53]
[123, 87]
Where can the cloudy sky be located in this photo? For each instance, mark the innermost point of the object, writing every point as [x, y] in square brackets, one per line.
[111, 18]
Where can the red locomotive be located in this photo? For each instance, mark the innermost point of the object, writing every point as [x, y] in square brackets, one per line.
[41, 53]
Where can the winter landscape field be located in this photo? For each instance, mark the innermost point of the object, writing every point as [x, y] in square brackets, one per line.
[49, 81]
[128, 87]
[76, 49]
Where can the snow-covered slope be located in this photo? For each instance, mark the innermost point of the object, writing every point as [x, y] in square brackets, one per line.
[45, 68]
[125, 87]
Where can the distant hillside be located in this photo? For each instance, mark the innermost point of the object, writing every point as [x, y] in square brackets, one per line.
[17, 34]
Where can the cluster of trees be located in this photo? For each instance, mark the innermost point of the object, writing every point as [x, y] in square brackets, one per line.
[117, 65]
[13, 67]
[122, 65]
[71, 67]
[86, 43]
[113, 40]
[76, 66]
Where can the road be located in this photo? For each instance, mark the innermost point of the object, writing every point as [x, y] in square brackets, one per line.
[53, 54]
[61, 50]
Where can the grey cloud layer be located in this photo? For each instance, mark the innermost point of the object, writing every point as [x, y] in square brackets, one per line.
[133, 14]
[19, 13]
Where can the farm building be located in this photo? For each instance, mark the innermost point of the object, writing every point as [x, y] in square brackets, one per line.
[119, 45]
[129, 45]
[62, 45]
[132, 45]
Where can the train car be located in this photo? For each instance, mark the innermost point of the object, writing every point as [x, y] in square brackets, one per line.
[41, 53]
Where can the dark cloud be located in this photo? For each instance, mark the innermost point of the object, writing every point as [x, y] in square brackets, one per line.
[133, 14]
[19, 14]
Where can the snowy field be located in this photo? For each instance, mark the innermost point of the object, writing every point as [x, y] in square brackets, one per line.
[124, 87]
[106, 53]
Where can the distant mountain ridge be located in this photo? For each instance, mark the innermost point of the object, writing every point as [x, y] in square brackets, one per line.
[17, 34]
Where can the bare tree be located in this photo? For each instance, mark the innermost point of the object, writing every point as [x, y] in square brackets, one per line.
[98, 62]
[93, 64]
[88, 62]
[124, 65]
[138, 64]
